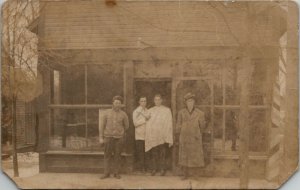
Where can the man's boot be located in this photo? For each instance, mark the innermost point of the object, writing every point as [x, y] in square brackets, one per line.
[185, 174]
[163, 172]
[105, 176]
[117, 176]
[153, 172]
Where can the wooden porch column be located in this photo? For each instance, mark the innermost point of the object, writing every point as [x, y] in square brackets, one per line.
[176, 72]
[244, 103]
[291, 143]
[44, 75]
[129, 102]
[244, 127]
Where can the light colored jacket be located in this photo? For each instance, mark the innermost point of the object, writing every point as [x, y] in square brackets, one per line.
[139, 120]
[159, 128]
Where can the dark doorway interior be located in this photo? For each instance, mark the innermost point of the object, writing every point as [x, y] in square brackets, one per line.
[149, 88]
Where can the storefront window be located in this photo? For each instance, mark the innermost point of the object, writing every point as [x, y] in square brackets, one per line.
[84, 90]
[93, 118]
[104, 82]
[218, 130]
[227, 107]
[258, 130]
[231, 130]
[74, 85]
[232, 90]
[68, 129]
[259, 86]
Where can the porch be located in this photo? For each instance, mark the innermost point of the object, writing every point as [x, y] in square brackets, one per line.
[31, 178]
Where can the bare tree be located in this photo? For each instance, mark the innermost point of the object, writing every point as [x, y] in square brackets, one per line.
[19, 58]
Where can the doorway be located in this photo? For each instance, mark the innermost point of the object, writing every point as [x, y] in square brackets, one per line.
[149, 88]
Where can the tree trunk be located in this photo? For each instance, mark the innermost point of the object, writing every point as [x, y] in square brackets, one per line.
[14, 137]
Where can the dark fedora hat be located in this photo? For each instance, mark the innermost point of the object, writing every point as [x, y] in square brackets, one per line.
[189, 96]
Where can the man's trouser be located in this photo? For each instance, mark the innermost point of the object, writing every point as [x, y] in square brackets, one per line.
[140, 154]
[112, 154]
[158, 156]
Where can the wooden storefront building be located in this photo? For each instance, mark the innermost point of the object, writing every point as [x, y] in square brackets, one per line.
[92, 50]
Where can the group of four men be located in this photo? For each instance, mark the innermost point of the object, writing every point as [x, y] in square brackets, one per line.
[153, 134]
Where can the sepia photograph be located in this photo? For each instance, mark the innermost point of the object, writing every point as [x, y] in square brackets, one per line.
[149, 94]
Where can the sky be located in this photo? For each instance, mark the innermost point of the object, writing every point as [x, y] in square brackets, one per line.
[292, 184]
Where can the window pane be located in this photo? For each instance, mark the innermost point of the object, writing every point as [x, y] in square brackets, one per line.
[93, 130]
[207, 112]
[74, 85]
[56, 87]
[232, 93]
[218, 129]
[68, 129]
[258, 133]
[206, 137]
[104, 82]
[218, 94]
[258, 88]
[231, 129]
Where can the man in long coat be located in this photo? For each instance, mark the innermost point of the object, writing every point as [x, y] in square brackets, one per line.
[190, 125]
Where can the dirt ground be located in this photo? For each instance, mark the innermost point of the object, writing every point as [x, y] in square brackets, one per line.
[31, 178]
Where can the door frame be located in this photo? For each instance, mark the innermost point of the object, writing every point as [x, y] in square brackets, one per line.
[151, 79]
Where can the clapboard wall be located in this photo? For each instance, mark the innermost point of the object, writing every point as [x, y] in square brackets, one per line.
[91, 24]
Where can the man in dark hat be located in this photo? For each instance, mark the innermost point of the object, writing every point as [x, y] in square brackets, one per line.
[112, 131]
[190, 126]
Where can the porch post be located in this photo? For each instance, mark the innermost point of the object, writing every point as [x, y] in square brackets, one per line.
[129, 102]
[176, 72]
[291, 143]
[244, 107]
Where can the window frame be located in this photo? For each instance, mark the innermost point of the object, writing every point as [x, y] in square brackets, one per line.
[224, 107]
[53, 106]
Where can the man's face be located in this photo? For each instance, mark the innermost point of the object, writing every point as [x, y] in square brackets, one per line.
[117, 104]
[143, 102]
[190, 103]
[157, 101]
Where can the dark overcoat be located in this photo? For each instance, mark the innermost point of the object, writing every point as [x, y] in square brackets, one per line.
[191, 125]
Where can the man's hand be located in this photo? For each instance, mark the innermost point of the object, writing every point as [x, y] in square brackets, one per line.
[148, 116]
[101, 140]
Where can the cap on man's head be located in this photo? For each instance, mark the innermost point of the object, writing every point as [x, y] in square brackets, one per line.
[189, 96]
[117, 98]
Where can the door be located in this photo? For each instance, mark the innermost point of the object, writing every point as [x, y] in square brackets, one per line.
[149, 88]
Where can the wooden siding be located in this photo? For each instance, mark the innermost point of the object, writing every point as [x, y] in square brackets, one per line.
[90, 24]
[153, 55]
